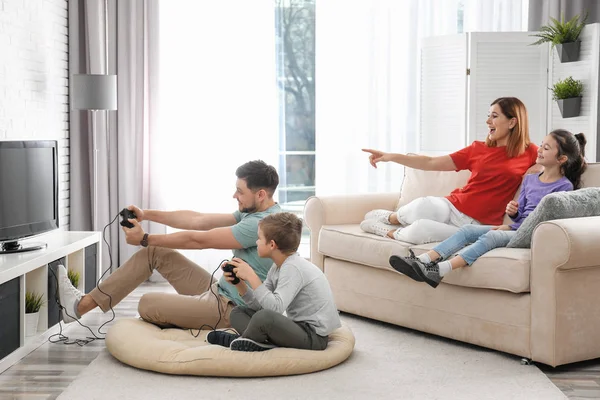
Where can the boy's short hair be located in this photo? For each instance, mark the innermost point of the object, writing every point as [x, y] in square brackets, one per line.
[284, 228]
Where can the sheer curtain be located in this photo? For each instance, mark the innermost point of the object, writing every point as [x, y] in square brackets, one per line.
[138, 143]
[496, 15]
[218, 102]
[366, 72]
[128, 144]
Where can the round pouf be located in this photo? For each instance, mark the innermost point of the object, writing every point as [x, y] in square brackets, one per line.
[176, 351]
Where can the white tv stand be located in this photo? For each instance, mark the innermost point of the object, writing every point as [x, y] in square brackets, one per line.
[30, 271]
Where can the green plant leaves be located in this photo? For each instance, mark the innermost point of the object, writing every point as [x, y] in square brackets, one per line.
[566, 89]
[560, 31]
[73, 277]
[33, 302]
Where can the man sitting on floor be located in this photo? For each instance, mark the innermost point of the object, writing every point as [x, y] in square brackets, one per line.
[199, 301]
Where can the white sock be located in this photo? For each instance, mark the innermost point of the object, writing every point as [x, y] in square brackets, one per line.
[444, 267]
[425, 259]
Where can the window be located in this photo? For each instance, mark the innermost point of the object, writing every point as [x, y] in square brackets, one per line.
[295, 58]
[460, 17]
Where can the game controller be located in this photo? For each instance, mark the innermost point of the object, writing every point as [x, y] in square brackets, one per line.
[229, 268]
[127, 214]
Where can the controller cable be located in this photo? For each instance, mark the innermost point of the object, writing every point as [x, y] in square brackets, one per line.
[61, 338]
[221, 312]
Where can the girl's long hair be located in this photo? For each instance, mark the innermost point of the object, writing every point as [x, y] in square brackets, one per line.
[572, 146]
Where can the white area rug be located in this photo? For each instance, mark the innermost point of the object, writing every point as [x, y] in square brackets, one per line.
[388, 362]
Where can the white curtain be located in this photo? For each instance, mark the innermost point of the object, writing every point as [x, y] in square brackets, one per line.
[128, 144]
[138, 143]
[218, 102]
[366, 71]
[495, 15]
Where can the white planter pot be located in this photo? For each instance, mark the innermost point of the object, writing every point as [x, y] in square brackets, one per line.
[31, 323]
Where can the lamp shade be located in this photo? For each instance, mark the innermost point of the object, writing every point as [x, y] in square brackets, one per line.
[94, 92]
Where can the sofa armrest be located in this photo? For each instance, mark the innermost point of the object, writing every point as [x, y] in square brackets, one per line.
[565, 279]
[339, 210]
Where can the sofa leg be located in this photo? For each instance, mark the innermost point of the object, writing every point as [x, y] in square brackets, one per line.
[526, 361]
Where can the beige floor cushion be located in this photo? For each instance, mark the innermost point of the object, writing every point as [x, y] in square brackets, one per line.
[175, 351]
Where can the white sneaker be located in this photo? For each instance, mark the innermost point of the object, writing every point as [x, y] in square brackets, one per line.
[380, 215]
[68, 295]
[376, 227]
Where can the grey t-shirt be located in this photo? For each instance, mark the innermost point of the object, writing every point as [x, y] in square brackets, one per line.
[301, 290]
[246, 233]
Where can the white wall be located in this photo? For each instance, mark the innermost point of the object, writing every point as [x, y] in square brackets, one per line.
[34, 79]
[586, 70]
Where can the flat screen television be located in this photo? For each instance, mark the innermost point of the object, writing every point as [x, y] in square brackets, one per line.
[28, 192]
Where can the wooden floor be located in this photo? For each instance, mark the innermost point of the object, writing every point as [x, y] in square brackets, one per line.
[47, 371]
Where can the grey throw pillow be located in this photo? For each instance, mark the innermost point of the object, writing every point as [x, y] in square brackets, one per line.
[578, 203]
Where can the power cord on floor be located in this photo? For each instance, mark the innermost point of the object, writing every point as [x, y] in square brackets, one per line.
[59, 337]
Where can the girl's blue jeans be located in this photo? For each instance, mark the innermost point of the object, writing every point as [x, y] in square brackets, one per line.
[480, 238]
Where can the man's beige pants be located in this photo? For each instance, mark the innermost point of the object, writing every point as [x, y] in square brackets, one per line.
[196, 305]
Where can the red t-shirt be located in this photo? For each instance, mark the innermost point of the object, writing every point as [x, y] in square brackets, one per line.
[494, 180]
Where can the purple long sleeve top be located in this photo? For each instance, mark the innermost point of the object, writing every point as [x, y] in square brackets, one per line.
[532, 192]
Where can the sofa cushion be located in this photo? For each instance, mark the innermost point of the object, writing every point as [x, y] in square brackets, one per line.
[591, 177]
[502, 269]
[579, 203]
[418, 183]
[350, 243]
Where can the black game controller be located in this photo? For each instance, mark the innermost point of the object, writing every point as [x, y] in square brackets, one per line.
[127, 214]
[229, 268]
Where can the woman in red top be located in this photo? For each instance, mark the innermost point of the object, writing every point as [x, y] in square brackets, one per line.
[497, 167]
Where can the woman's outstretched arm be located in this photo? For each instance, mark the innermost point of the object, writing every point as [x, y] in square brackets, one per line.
[441, 163]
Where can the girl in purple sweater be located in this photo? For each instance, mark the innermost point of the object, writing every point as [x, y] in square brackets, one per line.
[562, 156]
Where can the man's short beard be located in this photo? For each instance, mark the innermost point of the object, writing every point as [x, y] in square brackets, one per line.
[249, 210]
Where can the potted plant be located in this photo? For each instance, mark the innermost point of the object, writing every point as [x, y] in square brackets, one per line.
[73, 277]
[33, 303]
[564, 36]
[567, 93]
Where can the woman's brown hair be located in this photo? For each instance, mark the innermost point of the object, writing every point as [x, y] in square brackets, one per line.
[518, 138]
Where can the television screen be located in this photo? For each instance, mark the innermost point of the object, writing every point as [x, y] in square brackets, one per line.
[28, 188]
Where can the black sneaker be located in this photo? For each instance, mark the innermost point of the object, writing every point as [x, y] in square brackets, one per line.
[401, 265]
[430, 272]
[245, 344]
[221, 338]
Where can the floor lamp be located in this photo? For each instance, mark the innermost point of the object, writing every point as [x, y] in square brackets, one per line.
[94, 93]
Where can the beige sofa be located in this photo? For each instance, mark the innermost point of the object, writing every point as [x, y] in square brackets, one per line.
[541, 303]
